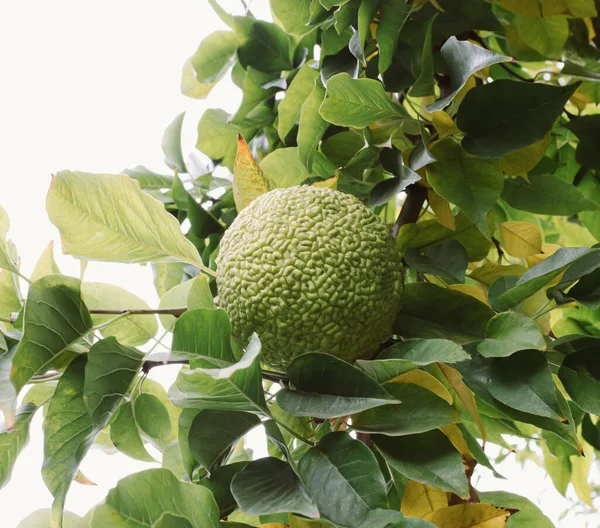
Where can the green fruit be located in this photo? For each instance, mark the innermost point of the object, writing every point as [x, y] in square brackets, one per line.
[309, 269]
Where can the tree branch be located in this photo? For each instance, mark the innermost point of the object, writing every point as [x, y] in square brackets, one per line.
[138, 311]
[409, 214]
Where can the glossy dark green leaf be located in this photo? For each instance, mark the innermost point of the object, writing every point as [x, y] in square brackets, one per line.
[403, 176]
[236, 388]
[152, 418]
[473, 184]
[419, 410]
[509, 332]
[125, 436]
[448, 260]
[586, 128]
[327, 387]
[545, 194]
[591, 432]
[524, 382]
[429, 458]
[257, 87]
[507, 115]
[425, 351]
[262, 45]
[430, 311]
[393, 14]
[500, 286]
[269, 485]
[295, 96]
[580, 375]
[463, 59]
[385, 369]
[13, 442]
[366, 12]
[424, 85]
[143, 499]
[68, 434]
[311, 126]
[109, 372]
[587, 290]
[171, 144]
[213, 433]
[219, 483]
[55, 317]
[343, 476]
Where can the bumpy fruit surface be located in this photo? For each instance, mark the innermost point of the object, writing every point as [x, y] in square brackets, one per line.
[309, 269]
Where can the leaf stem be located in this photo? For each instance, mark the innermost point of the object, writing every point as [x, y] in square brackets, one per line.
[48, 376]
[138, 311]
[293, 433]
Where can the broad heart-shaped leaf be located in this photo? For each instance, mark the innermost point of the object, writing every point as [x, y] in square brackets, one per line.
[509, 332]
[524, 382]
[68, 434]
[269, 485]
[433, 312]
[425, 351]
[393, 14]
[463, 60]
[171, 145]
[327, 387]
[214, 432]
[473, 184]
[424, 84]
[545, 194]
[55, 317]
[448, 260]
[127, 225]
[125, 435]
[311, 126]
[507, 115]
[142, 499]
[249, 182]
[528, 515]
[134, 330]
[357, 102]
[206, 335]
[580, 375]
[109, 372]
[419, 410]
[262, 45]
[343, 476]
[576, 261]
[237, 387]
[429, 458]
[13, 442]
[299, 90]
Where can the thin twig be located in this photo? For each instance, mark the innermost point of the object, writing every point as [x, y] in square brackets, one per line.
[139, 311]
[515, 74]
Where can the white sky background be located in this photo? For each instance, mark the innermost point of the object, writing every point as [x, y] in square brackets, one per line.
[91, 86]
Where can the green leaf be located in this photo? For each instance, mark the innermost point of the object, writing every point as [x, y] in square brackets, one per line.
[473, 184]
[545, 194]
[425, 351]
[255, 92]
[213, 433]
[132, 330]
[46, 265]
[269, 485]
[506, 115]
[8, 251]
[149, 180]
[327, 387]
[206, 335]
[212, 60]
[418, 410]
[524, 382]
[580, 375]
[425, 85]
[128, 224]
[153, 419]
[344, 477]
[590, 431]
[235, 388]
[293, 16]
[9, 296]
[171, 145]
[262, 45]
[366, 12]
[393, 14]
[125, 436]
[528, 515]
[448, 260]
[546, 35]
[109, 372]
[217, 137]
[8, 395]
[431, 311]
[55, 317]
[463, 60]
[357, 102]
[587, 290]
[311, 126]
[194, 293]
[42, 518]
[509, 332]
[142, 499]
[301, 87]
[586, 129]
[219, 483]
[283, 167]
[429, 458]
[68, 434]
[13, 442]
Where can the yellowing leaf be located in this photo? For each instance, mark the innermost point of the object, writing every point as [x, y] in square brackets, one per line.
[249, 182]
[443, 123]
[427, 381]
[273, 525]
[582, 9]
[521, 7]
[489, 272]
[464, 394]
[331, 183]
[80, 478]
[580, 100]
[533, 304]
[471, 290]
[547, 250]
[455, 436]
[441, 208]
[581, 466]
[523, 160]
[573, 234]
[554, 7]
[521, 239]
[469, 516]
[420, 500]
[45, 264]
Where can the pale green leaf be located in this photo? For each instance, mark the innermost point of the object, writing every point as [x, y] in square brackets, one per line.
[46, 264]
[298, 91]
[283, 167]
[311, 126]
[13, 442]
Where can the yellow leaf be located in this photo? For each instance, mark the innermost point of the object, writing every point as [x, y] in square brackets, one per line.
[249, 182]
[521, 239]
[455, 436]
[554, 7]
[469, 516]
[441, 208]
[420, 500]
[521, 7]
[427, 381]
[273, 525]
[489, 272]
[331, 183]
[582, 9]
[547, 250]
[580, 100]
[532, 305]
[465, 395]
[523, 160]
[589, 24]
[80, 478]
[471, 290]
[443, 123]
